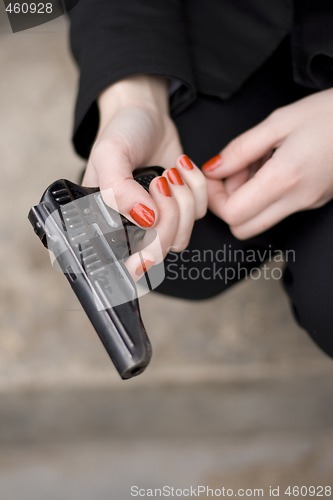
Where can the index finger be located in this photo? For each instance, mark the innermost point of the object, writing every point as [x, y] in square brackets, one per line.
[217, 196]
[267, 186]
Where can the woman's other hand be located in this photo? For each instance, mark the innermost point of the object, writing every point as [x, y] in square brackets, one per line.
[281, 166]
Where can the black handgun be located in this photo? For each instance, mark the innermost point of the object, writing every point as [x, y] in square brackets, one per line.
[89, 241]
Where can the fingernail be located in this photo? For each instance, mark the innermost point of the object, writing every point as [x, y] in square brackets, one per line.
[163, 186]
[143, 268]
[212, 164]
[174, 176]
[186, 162]
[143, 215]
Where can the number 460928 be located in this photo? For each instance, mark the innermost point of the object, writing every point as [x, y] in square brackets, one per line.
[29, 8]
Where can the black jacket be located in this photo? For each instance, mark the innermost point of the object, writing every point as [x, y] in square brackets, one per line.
[207, 46]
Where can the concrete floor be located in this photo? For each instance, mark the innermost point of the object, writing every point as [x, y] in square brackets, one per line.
[240, 396]
[104, 470]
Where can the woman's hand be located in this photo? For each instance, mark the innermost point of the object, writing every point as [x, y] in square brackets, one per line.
[281, 166]
[136, 130]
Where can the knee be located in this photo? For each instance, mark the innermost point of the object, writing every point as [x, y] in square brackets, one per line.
[320, 332]
[313, 310]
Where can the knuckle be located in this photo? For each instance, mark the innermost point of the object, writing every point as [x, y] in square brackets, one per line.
[274, 120]
[180, 244]
[287, 177]
[237, 232]
[184, 204]
[100, 149]
[117, 189]
[201, 180]
[200, 189]
[187, 205]
[314, 199]
[236, 146]
[105, 148]
[275, 116]
[231, 216]
[201, 212]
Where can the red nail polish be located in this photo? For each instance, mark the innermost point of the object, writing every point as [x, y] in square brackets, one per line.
[186, 162]
[174, 176]
[143, 268]
[163, 186]
[212, 164]
[143, 215]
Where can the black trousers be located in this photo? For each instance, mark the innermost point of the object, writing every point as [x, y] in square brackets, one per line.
[215, 259]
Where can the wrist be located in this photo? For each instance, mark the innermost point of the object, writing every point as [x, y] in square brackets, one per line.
[141, 90]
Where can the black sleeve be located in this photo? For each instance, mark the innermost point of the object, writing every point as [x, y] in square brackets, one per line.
[113, 39]
[312, 43]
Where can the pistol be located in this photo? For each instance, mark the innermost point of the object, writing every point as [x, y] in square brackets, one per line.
[89, 241]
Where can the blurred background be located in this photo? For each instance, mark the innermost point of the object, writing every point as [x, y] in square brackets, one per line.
[236, 394]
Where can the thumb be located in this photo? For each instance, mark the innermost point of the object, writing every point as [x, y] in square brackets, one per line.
[245, 149]
[114, 172]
